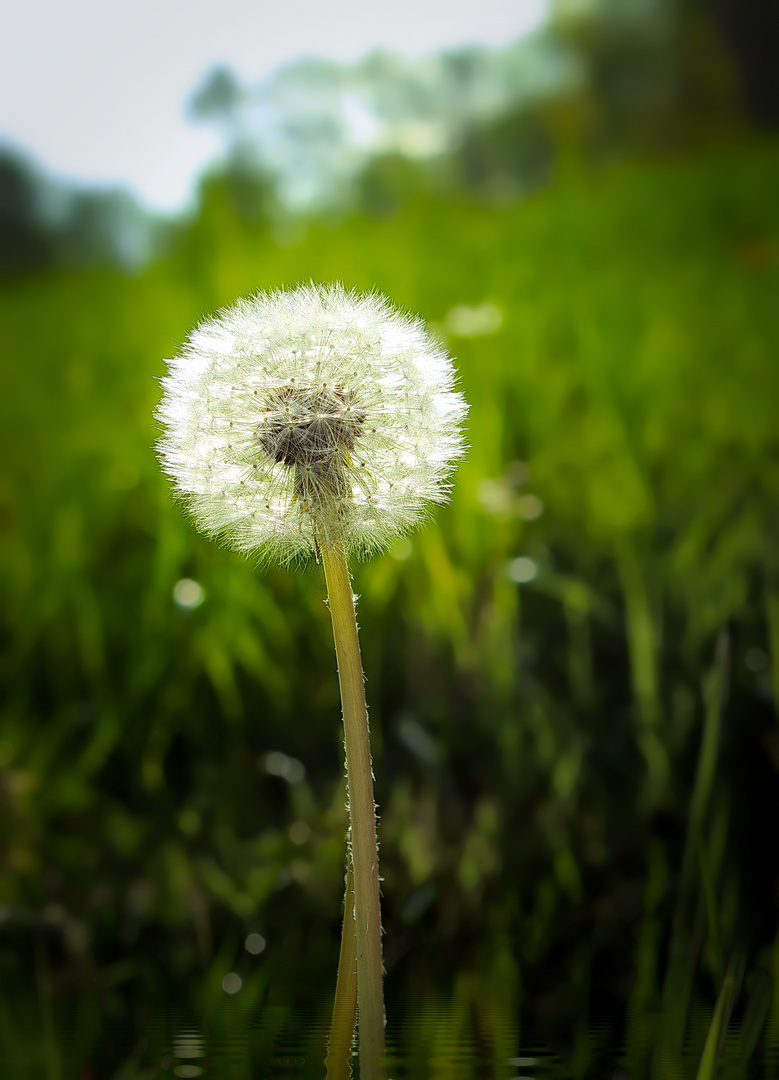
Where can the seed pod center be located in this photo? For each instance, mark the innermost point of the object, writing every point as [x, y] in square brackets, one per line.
[312, 429]
[309, 425]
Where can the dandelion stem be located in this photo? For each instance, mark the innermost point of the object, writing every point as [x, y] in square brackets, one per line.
[339, 1047]
[362, 813]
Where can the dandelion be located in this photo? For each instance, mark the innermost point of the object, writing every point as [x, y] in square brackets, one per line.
[314, 418]
[319, 422]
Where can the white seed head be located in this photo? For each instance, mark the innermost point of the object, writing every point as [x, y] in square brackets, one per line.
[314, 417]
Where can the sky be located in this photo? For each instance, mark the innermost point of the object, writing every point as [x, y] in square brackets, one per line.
[95, 91]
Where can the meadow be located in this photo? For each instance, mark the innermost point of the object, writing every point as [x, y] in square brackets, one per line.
[572, 670]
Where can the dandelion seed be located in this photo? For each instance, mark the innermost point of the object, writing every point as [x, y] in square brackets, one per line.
[312, 418]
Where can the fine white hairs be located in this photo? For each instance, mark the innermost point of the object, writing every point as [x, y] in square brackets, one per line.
[309, 418]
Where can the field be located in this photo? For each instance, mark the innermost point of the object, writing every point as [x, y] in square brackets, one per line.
[572, 669]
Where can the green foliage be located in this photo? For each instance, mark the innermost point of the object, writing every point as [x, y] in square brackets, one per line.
[568, 669]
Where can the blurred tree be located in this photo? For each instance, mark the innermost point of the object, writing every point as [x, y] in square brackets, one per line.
[45, 223]
[26, 242]
[657, 74]
[219, 97]
[507, 158]
[750, 29]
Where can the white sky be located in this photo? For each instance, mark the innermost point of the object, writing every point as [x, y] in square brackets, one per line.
[95, 90]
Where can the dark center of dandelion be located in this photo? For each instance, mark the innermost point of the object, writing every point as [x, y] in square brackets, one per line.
[312, 429]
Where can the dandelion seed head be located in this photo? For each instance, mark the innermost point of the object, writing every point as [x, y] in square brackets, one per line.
[310, 417]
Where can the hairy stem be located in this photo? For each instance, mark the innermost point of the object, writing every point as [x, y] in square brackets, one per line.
[362, 813]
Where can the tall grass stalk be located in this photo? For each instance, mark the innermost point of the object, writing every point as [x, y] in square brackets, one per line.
[715, 1037]
[694, 907]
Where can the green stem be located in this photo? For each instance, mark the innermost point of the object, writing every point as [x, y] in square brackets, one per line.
[362, 813]
[339, 1047]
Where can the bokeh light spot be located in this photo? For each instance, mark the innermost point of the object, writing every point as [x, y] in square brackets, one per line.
[288, 768]
[476, 321]
[522, 570]
[401, 549]
[530, 507]
[254, 944]
[188, 593]
[232, 983]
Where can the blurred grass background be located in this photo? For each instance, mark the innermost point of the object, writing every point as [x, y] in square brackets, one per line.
[572, 671]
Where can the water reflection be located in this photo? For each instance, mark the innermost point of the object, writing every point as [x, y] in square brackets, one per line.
[189, 1045]
[425, 1039]
[283, 1042]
